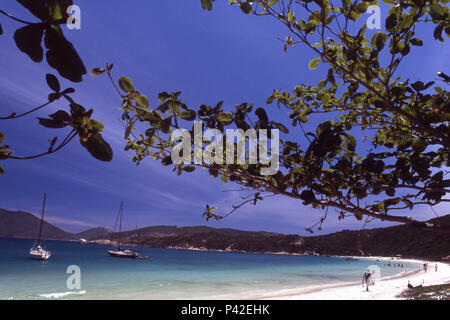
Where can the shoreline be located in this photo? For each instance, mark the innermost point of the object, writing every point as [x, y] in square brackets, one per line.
[385, 288]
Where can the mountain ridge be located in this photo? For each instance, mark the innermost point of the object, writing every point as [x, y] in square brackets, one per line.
[403, 240]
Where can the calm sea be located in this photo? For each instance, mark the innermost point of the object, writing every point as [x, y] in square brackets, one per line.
[168, 274]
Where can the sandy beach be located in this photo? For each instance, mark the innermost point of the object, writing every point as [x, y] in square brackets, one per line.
[387, 288]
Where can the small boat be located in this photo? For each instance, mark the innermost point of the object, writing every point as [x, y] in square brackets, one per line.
[124, 253]
[120, 252]
[37, 252]
[83, 241]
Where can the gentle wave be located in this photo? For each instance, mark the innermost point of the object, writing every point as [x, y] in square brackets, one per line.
[60, 295]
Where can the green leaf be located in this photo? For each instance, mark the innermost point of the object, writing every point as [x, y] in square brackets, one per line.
[437, 33]
[28, 40]
[189, 168]
[225, 117]
[379, 40]
[246, 7]
[128, 129]
[98, 147]
[57, 9]
[436, 8]
[126, 84]
[142, 102]
[97, 125]
[97, 71]
[207, 5]
[325, 99]
[273, 2]
[163, 96]
[354, 15]
[416, 42]
[53, 82]
[314, 63]
[224, 179]
[391, 21]
[281, 127]
[165, 125]
[188, 115]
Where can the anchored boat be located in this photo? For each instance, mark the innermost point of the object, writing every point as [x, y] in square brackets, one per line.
[120, 252]
[37, 251]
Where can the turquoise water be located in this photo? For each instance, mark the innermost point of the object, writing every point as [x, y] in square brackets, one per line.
[168, 274]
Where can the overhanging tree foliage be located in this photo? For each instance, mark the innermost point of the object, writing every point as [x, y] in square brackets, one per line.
[401, 162]
[61, 56]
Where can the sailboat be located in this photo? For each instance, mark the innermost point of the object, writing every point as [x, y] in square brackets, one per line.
[120, 252]
[37, 252]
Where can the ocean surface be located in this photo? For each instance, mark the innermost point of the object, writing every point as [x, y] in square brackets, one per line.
[168, 274]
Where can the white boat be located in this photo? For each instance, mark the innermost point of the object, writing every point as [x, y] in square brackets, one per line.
[124, 253]
[37, 252]
[119, 252]
[83, 241]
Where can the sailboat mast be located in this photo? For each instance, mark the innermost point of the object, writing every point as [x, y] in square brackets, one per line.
[121, 214]
[42, 219]
[120, 223]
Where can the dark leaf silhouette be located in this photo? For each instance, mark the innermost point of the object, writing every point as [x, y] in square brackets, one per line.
[98, 147]
[28, 40]
[62, 56]
[52, 123]
[53, 82]
[36, 7]
[61, 115]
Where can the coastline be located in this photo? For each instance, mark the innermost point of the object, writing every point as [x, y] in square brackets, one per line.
[385, 288]
[192, 248]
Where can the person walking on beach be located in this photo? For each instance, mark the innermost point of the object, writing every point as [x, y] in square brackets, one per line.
[367, 279]
[425, 266]
[435, 267]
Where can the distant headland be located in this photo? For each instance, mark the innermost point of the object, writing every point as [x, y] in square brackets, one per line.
[403, 240]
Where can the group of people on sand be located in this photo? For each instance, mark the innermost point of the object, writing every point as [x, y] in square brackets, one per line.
[400, 265]
[367, 277]
[425, 267]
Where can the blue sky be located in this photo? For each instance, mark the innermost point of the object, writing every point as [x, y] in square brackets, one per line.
[163, 46]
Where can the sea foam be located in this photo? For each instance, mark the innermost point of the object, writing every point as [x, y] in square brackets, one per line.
[60, 295]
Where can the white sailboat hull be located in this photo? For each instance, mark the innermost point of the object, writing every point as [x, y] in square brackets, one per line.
[39, 254]
[124, 254]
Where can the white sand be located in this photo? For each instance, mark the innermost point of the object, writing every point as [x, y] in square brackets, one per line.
[383, 289]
